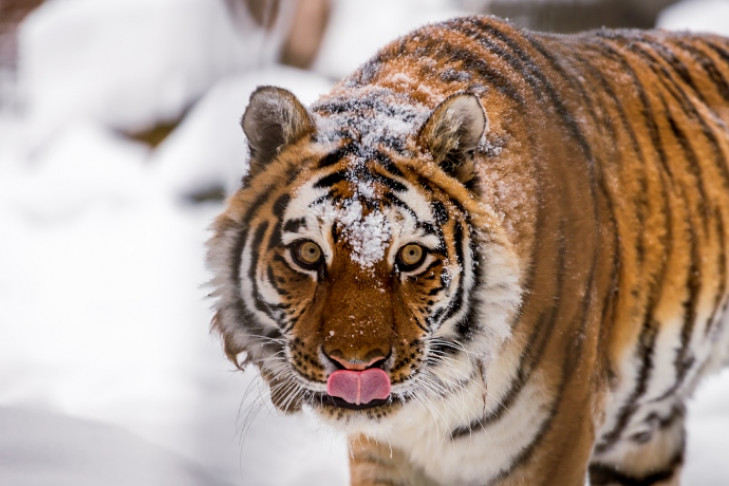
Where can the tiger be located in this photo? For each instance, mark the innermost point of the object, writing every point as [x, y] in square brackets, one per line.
[489, 256]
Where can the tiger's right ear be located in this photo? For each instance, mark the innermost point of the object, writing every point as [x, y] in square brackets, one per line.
[453, 132]
[273, 119]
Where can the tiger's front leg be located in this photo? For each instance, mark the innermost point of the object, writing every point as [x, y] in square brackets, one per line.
[650, 453]
[375, 464]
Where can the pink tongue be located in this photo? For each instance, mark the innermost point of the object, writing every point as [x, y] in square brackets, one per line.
[359, 387]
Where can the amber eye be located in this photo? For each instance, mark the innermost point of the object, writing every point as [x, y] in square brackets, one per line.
[410, 256]
[307, 254]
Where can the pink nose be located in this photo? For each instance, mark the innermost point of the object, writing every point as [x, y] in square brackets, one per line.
[359, 387]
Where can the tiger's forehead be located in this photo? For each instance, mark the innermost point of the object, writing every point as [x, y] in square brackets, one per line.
[361, 207]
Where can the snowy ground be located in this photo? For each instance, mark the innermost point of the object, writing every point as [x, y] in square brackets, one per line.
[107, 372]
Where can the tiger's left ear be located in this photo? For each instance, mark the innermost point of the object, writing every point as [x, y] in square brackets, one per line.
[452, 132]
[273, 119]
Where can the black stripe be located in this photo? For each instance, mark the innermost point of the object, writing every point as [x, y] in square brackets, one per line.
[274, 283]
[334, 231]
[255, 255]
[237, 256]
[396, 201]
[465, 59]
[243, 316]
[610, 298]
[456, 304]
[658, 423]
[646, 339]
[720, 83]
[722, 53]
[722, 264]
[683, 361]
[391, 184]
[256, 205]
[422, 325]
[694, 167]
[675, 64]
[387, 164]
[427, 269]
[294, 225]
[466, 326]
[534, 351]
[526, 453]
[279, 207]
[434, 190]
[336, 156]
[572, 78]
[646, 345]
[440, 213]
[641, 201]
[275, 239]
[648, 113]
[689, 107]
[331, 179]
[534, 76]
[604, 474]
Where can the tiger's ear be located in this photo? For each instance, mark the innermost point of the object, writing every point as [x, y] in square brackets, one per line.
[273, 119]
[452, 132]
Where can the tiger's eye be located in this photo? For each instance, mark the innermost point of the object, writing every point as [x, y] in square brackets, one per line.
[308, 253]
[411, 255]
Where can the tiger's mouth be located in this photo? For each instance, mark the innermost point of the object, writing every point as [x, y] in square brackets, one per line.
[356, 390]
[379, 407]
[328, 400]
[359, 387]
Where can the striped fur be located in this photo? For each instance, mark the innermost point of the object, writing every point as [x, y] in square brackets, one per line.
[574, 289]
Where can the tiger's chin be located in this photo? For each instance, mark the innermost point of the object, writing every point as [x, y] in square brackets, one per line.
[355, 418]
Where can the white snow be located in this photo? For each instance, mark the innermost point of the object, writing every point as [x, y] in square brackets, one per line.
[108, 374]
[209, 148]
[696, 16]
[367, 235]
[358, 29]
[129, 63]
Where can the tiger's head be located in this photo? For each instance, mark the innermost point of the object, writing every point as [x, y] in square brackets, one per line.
[358, 267]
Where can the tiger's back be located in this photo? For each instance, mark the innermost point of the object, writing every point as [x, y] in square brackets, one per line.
[586, 232]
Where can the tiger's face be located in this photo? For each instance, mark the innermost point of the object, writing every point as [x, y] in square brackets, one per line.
[361, 276]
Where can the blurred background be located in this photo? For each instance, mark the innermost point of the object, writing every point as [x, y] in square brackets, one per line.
[119, 139]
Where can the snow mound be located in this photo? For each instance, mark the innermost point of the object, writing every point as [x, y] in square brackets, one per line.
[129, 63]
[358, 29]
[83, 166]
[86, 453]
[696, 16]
[208, 149]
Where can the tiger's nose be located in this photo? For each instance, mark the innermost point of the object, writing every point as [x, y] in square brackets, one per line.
[375, 358]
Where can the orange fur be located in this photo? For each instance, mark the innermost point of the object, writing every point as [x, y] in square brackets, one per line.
[600, 191]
